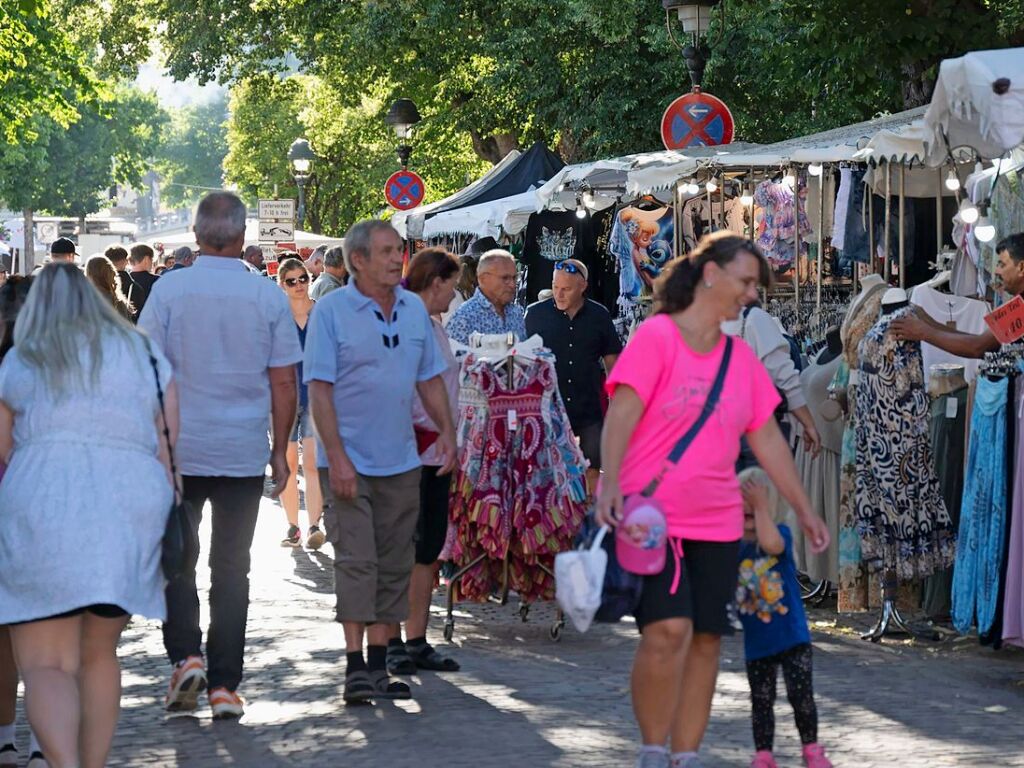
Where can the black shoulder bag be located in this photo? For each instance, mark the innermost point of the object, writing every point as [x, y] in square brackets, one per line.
[180, 550]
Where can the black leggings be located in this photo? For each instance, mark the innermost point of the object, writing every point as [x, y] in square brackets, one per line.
[797, 671]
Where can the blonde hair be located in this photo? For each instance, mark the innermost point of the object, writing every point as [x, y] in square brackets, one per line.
[760, 477]
[63, 317]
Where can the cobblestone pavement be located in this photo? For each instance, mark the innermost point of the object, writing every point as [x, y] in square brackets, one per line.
[523, 700]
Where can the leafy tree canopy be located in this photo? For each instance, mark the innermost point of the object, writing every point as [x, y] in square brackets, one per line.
[191, 154]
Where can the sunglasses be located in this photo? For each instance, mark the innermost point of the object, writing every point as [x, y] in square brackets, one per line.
[291, 282]
[565, 266]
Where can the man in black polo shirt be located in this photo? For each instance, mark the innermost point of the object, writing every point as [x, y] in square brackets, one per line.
[581, 334]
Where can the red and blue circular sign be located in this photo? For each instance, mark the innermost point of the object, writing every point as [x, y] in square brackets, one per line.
[404, 190]
[696, 120]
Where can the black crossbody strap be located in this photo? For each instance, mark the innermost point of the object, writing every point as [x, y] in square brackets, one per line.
[695, 428]
[163, 414]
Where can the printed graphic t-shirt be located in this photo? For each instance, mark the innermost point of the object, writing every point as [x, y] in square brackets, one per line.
[768, 598]
[700, 494]
[550, 238]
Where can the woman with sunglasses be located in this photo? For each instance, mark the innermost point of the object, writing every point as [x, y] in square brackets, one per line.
[294, 280]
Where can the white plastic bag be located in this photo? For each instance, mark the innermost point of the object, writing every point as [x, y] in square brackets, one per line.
[579, 579]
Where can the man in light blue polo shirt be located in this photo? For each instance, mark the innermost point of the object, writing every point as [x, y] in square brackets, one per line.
[370, 347]
[232, 341]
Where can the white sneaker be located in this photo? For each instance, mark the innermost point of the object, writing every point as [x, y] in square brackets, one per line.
[226, 704]
[187, 682]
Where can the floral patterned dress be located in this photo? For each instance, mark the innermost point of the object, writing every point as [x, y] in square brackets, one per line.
[519, 488]
[901, 516]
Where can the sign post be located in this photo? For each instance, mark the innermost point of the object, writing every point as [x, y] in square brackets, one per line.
[404, 190]
[277, 225]
[696, 119]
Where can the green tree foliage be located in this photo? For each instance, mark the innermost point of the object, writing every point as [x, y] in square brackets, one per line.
[787, 68]
[355, 149]
[41, 70]
[68, 171]
[192, 151]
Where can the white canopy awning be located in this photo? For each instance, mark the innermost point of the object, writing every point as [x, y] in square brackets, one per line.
[832, 146]
[483, 219]
[252, 236]
[979, 103]
[410, 223]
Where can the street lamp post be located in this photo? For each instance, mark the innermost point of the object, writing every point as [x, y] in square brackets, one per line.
[402, 117]
[695, 16]
[301, 156]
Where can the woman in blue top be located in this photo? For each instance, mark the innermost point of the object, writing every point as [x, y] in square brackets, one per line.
[775, 630]
[294, 281]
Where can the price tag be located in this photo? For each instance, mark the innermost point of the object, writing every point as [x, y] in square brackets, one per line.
[952, 407]
[1007, 321]
[513, 421]
[854, 378]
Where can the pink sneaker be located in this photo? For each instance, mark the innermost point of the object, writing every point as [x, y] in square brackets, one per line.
[763, 758]
[814, 756]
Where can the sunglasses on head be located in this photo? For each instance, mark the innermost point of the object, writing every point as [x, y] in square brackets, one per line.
[565, 266]
[291, 282]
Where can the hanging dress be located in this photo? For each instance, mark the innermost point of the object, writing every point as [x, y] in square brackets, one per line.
[976, 576]
[1013, 601]
[519, 494]
[901, 516]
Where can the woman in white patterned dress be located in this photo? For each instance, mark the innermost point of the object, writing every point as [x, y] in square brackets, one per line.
[83, 506]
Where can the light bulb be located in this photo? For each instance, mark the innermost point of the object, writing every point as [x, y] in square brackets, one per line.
[747, 198]
[588, 199]
[952, 180]
[692, 187]
[581, 212]
[712, 185]
[968, 212]
[984, 230]
[814, 169]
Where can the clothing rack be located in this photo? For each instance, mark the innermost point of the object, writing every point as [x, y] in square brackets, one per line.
[502, 594]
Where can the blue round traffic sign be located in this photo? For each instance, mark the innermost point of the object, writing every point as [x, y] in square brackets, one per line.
[404, 190]
[696, 120]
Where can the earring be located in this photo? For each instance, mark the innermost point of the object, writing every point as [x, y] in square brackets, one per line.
[707, 284]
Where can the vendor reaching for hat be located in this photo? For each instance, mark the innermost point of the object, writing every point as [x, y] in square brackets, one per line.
[920, 327]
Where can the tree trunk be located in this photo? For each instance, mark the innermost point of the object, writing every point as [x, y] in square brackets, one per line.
[917, 84]
[28, 257]
[494, 148]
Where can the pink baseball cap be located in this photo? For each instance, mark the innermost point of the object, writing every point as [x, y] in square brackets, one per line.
[640, 537]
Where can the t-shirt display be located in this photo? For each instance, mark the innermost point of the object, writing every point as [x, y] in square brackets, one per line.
[641, 242]
[552, 237]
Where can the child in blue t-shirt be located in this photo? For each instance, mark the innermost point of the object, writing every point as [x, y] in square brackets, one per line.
[775, 630]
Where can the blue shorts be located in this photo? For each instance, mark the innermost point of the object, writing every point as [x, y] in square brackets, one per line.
[303, 425]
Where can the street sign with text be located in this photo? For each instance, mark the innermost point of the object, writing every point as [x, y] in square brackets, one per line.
[277, 210]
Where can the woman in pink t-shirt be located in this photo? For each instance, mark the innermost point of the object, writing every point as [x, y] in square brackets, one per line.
[658, 388]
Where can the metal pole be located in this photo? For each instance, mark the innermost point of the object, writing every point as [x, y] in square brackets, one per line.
[938, 216]
[821, 231]
[711, 209]
[753, 186]
[871, 224]
[903, 250]
[796, 236]
[888, 221]
[300, 214]
[676, 220]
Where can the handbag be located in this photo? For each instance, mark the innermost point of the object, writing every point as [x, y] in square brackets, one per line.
[622, 589]
[180, 546]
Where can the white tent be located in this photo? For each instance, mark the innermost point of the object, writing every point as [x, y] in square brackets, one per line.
[252, 236]
[979, 103]
[483, 219]
[832, 146]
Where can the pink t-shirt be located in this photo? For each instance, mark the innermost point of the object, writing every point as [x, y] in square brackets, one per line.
[700, 494]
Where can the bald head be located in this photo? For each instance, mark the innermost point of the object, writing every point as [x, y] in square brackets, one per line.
[254, 255]
[496, 275]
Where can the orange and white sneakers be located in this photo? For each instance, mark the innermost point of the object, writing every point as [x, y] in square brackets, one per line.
[226, 704]
[187, 682]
